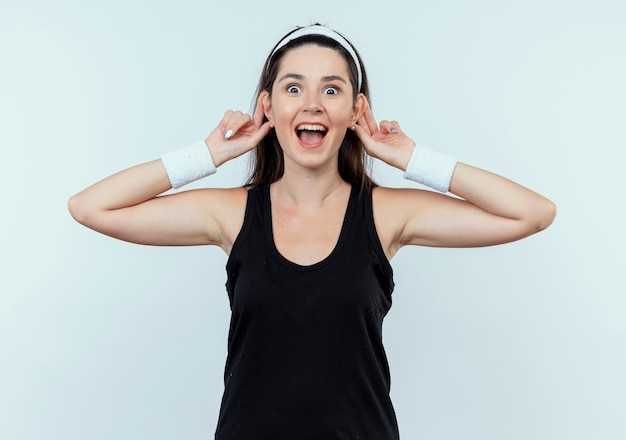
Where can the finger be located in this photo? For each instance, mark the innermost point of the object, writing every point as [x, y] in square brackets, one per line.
[226, 121]
[237, 121]
[363, 134]
[386, 126]
[363, 124]
[370, 121]
[260, 134]
[259, 115]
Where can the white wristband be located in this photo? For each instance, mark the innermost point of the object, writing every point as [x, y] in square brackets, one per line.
[188, 164]
[430, 168]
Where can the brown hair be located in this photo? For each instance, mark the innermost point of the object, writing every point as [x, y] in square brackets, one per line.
[268, 164]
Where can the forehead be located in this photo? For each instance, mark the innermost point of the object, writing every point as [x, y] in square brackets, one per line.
[314, 60]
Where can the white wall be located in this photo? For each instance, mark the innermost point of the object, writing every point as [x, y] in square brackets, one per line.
[101, 339]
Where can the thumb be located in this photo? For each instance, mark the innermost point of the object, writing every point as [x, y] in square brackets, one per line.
[260, 133]
[363, 135]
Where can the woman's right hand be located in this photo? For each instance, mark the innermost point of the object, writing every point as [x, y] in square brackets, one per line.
[127, 205]
[236, 134]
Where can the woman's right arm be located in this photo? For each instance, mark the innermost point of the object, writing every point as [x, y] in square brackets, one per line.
[127, 204]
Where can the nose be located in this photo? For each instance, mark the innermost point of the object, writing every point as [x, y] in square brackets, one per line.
[312, 103]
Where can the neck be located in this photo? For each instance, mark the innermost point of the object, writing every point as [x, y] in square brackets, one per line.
[310, 189]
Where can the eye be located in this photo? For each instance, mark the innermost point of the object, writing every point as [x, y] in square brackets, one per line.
[331, 90]
[293, 89]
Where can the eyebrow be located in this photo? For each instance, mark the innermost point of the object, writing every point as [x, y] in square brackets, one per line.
[300, 77]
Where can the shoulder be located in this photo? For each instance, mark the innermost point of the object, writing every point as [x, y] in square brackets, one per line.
[226, 208]
[395, 209]
[232, 203]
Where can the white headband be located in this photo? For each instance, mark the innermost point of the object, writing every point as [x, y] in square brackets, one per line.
[317, 29]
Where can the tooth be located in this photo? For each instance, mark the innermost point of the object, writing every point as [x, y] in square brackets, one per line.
[311, 127]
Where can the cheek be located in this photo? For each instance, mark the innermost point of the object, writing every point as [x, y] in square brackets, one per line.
[344, 115]
[284, 111]
[344, 109]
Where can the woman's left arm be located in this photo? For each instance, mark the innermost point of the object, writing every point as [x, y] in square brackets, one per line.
[491, 209]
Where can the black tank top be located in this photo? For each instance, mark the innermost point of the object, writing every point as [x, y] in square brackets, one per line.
[305, 352]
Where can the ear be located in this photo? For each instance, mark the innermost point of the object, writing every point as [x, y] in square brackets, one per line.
[265, 103]
[360, 104]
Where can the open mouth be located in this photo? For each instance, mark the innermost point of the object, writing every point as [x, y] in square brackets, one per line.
[311, 134]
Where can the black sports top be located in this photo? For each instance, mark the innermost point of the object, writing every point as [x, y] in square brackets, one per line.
[305, 352]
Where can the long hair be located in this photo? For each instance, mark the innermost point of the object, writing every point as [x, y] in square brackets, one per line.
[268, 163]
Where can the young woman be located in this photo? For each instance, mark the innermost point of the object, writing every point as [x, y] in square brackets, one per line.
[310, 237]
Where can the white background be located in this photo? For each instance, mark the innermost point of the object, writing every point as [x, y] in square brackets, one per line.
[100, 339]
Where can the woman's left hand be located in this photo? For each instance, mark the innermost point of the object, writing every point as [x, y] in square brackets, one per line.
[489, 209]
[384, 141]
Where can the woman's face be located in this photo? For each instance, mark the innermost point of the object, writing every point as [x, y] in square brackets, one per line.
[311, 105]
